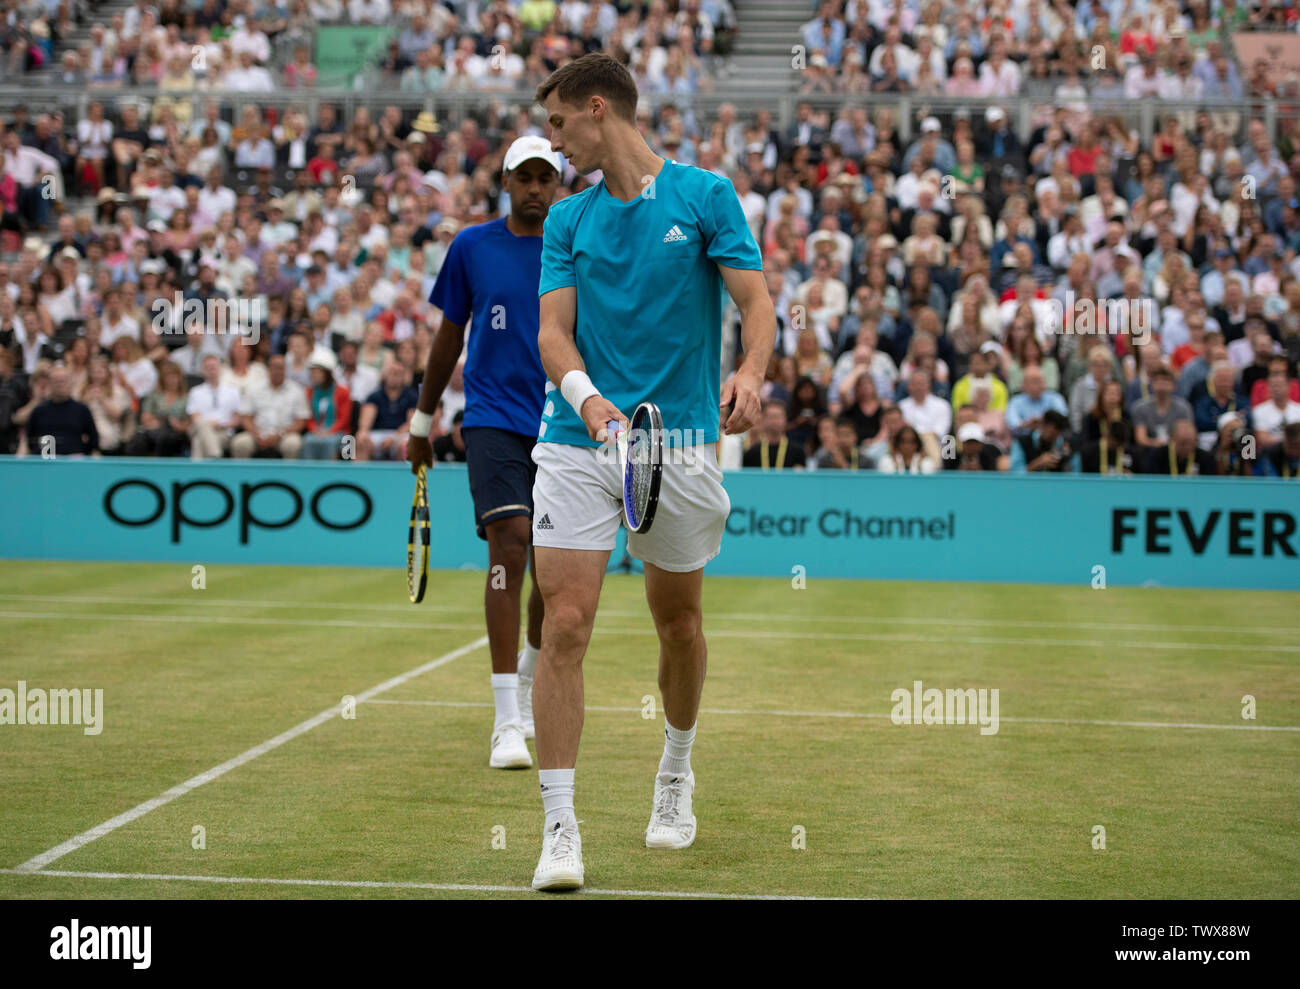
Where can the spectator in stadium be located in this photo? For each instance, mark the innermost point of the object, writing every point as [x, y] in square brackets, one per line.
[14, 395]
[906, 455]
[330, 406]
[924, 411]
[811, 360]
[386, 416]
[1181, 456]
[1219, 399]
[971, 450]
[59, 425]
[30, 168]
[1266, 352]
[839, 449]
[164, 424]
[1112, 452]
[132, 368]
[109, 403]
[449, 446]
[1107, 407]
[1000, 146]
[358, 378]
[805, 408]
[1032, 384]
[214, 413]
[1153, 418]
[1279, 409]
[771, 448]
[243, 373]
[980, 374]
[373, 353]
[1282, 460]
[273, 416]
[1046, 447]
[1083, 396]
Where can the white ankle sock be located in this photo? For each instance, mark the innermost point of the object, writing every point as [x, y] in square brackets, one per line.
[557, 795]
[677, 750]
[528, 660]
[505, 688]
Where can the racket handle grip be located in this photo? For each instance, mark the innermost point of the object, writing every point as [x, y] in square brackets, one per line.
[614, 427]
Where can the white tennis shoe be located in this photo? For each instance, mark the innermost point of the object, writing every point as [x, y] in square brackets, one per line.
[525, 700]
[509, 750]
[560, 866]
[672, 825]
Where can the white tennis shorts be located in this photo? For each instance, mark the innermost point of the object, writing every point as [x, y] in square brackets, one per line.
[578, 504]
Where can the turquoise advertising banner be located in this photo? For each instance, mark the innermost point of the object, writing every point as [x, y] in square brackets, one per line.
[1125, 531]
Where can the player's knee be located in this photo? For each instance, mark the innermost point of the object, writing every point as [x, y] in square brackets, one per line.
[567, 629]
[681, 629]
[508, 545]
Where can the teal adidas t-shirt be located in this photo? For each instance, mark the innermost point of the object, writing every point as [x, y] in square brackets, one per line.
[649, 307]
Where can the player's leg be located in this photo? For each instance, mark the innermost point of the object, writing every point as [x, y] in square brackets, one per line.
[577, 507]
[674, 600]
[507, 541]
[569, 581]
[500, 478]
[687, 533]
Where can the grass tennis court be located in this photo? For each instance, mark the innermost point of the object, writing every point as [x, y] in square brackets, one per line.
[795, 734]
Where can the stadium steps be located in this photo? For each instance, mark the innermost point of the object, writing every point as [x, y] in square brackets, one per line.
[769, 29]
[100, 13]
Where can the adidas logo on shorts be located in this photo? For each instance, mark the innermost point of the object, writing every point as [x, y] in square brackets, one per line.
[674, 235]
[545, 522]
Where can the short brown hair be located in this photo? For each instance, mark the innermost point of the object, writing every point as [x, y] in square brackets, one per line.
[594, 74]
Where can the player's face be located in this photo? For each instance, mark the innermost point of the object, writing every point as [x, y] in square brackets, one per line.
[574, 133]
[532, 188]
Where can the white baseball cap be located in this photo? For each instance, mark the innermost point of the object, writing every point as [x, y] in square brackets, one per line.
[970, 431]
[323, 358]
[532, 147]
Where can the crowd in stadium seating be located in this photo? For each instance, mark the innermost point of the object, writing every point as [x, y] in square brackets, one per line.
[931, 293]
[1050, 50]
[184, 46]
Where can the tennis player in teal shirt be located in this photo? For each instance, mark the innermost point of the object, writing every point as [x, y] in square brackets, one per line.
[631, 311]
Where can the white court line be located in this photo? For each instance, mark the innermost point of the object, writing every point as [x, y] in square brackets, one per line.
[710, 633]
[361, 884]
[885, 717]
[477, 607]
[111, 825]
[233, 620]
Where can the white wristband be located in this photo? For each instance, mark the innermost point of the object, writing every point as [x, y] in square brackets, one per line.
[421, 423]
[577, 388]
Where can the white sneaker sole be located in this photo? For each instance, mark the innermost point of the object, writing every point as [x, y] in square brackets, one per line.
[668, 840]
[558, 880]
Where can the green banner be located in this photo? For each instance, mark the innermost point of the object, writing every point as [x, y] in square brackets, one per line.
[344, 52]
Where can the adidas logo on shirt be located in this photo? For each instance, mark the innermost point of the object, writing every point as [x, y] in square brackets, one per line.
[674, 235]
[545, 522]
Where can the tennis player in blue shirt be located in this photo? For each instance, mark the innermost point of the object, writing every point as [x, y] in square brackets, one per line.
[633, 270]
[489, 280]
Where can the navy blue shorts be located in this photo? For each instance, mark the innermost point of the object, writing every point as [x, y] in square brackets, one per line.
[501, 473]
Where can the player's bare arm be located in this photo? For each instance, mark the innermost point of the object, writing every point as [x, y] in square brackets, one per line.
[448, 343]
[758, 336]
[560, 356]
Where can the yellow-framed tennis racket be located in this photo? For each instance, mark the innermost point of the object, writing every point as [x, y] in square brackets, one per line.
[417, 540]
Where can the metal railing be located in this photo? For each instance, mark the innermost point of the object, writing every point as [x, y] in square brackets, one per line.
[1023, 112]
